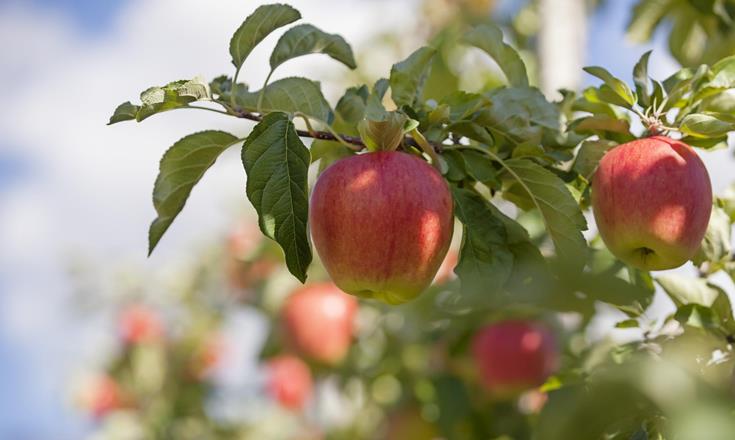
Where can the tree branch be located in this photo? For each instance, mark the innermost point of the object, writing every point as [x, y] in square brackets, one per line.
[329, 136]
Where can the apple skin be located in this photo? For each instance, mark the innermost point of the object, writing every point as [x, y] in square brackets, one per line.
[318, 320]
[289, 381]
[652, 199]
[101, 396]
[382, 223]
[514, 356]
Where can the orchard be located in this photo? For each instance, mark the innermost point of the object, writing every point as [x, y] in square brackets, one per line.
[448, 251]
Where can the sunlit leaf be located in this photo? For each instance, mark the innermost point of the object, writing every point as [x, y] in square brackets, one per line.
[258, 25]
[489, 38]
[407, 77]
[306, 39]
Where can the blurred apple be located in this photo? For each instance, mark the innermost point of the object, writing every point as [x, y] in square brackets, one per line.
[318, 320]
[514, 356]
[289, 381]
[101, 395]
[139, 324]
[652, 200]
[208, 356]
[382, 223]
[244, 240]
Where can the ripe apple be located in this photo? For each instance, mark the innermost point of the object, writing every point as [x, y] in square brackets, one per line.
[318, 320]
[513, 356]
[652, 200]
[101, 395]
[289, 381]
[139, 324]
[381, 223]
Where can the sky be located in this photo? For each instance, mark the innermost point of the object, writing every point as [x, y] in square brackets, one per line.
[72, 187]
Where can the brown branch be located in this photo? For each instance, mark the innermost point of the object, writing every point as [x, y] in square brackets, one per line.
[327, 136]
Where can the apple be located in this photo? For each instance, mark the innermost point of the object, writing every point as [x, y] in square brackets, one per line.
[101, 395]
[318, 320]
[289, 381]
[381, 223]
[652, 200]
[139, 324]
[514, 356]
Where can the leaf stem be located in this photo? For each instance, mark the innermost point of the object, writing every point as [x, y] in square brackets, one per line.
[261, 95]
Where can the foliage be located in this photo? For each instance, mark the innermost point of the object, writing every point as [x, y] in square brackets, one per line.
[503, 150]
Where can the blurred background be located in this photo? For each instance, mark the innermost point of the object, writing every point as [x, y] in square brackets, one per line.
[75, 197]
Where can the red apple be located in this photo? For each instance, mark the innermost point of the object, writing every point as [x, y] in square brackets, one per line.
[138, 324]
[319, 320]
[381, 223]
[101, 395]
[652, 200]
[289, 381]
[513, 356]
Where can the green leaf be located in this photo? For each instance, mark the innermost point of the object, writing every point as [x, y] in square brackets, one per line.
[124, 112]
[716, 245]
[647, 14]
[277, 164]
[489, 38]
[617, 86]
[628, 323]
[306, 39]
[696, 315]
[289, 95]
[561, 213]
[258, 25]
[407, 77]
[173, 95]
[352, 106]
[589, 155]
[485, 262]
[723, 73]
[640, 78]
[182, 166]
[687, 290]
[519, 114]
[600, 123]
[385, 134]
[704, 126]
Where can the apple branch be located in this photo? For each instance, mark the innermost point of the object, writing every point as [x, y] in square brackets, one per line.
[353, 142]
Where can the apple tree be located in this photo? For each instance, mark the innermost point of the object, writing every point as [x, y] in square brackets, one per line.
[395, 165]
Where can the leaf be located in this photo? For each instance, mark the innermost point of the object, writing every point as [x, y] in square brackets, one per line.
[601, 123]
[182, 166]
[124, 112]
[306, 39]
[640, 78]
[385, 134]
[704, 126]
[351, 107]
[723, 73]
[258, 25]
[696, 315]
[289, 95]
[485, 262]
[628, 323]
[617, 86]
[716, 245]
[519, 114]
[589, 155]
[687, 290]
[563, 218]
[645, 17]
[173, 95]
[407, 77]
[277, 164]
[489, 38]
